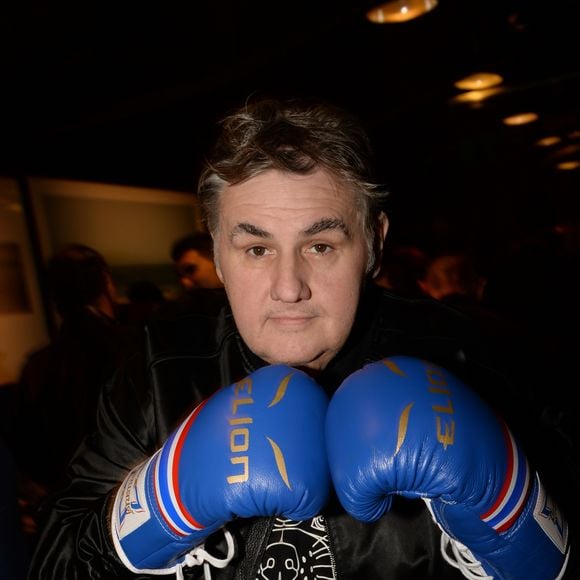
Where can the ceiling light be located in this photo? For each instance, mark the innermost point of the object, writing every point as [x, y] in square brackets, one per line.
[520, 119]
[572, 149]
[568, 165]
[400, 10]
[475, 96]
[547, 141]
[479, 81]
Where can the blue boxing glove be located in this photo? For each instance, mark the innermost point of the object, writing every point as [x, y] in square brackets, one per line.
[405, 426]
[255, 448]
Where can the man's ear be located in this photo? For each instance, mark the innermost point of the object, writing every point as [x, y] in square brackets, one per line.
[218, 271]
[380, 236]
[383, 227]
[216, 259]
[110, 287]
[108, 300]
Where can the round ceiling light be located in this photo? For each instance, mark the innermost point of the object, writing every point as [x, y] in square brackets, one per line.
[568, 165]
[548, 141]
[475, 96]
[400, 10]
[479, 81]
[520, 119]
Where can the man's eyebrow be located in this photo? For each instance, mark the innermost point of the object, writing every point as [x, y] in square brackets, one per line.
[322, 225]
[245, 228]
[326, 224]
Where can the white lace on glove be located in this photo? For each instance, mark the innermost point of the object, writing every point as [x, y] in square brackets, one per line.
[199, 556]
[458, 555]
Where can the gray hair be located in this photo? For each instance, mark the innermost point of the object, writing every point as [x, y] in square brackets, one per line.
[296, 137]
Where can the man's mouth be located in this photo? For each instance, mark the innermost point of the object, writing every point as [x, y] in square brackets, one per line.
[291, 320]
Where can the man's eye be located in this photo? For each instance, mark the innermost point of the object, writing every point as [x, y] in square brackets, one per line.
[321, 248]
[187, 270]
[257, 251]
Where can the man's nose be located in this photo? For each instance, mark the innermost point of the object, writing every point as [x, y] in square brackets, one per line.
[187, 282]
[290, 279]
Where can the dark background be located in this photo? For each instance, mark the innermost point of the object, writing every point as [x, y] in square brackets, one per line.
[129, 93]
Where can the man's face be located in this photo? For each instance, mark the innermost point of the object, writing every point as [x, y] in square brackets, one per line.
[196, 271]
[291, 252]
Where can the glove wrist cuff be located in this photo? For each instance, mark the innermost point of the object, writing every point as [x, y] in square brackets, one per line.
[142, 537]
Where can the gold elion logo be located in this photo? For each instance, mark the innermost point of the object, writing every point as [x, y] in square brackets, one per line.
[438, 386]
[241, 421]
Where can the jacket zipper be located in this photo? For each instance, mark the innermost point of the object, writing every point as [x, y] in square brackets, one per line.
[331, 549]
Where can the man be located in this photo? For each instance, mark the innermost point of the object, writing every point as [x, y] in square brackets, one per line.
[193, 260]
[202, 288]
[453, 278]
[13, 547]
[60, 383]
[212, 443]
[402, 268]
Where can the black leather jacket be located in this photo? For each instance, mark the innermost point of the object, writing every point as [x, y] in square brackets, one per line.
[183, 362]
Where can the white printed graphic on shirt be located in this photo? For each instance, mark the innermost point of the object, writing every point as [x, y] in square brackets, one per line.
[298, 551]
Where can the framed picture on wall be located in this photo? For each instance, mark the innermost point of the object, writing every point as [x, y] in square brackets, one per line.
[132, 227]
[22, 314]
[14, 294]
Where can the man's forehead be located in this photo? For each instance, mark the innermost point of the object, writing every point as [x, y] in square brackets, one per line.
[191, 255]
[271, 186]
[274, 201]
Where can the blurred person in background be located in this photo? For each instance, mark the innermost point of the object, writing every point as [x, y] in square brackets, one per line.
[192, 257]
[59, 384]
[145, 300]
[14, 548]
[402, 267]
[453, 278]
[202, 289]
